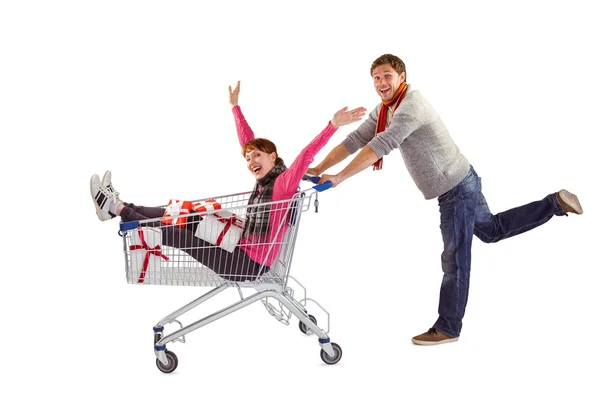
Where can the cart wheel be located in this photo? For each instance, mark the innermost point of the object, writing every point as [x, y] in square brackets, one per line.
[336, 356]
[303, 328]
[171, 364]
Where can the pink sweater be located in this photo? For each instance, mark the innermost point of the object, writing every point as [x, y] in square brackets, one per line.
[284, 188]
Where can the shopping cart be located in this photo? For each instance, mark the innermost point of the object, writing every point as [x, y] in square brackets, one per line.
[167, 250]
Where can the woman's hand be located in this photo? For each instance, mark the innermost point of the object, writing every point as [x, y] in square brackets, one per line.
[345, 117]
[233, 95]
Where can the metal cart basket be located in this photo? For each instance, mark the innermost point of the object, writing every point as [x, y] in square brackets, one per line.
[213, 246]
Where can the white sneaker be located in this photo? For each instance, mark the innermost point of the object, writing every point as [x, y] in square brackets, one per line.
[102, 198]
[106, 182]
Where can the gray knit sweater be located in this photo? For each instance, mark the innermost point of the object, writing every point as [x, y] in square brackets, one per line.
[431, 156]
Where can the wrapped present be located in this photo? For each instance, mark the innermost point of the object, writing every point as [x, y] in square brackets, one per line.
[145, 254]
[222, 228]
[179, 209]
[204, 206]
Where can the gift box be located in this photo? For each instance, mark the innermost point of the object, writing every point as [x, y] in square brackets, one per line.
[204, 206]
[145, 254]
[221, 228]
[179, 209]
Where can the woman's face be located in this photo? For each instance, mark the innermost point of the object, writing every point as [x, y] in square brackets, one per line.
[259, 162]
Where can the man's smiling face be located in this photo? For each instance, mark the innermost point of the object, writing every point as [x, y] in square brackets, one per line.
[387, 81]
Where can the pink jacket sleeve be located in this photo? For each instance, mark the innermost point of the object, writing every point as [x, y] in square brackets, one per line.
[287, 183]
[244, 131]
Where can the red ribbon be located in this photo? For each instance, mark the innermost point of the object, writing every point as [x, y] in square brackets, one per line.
[228, 221]
[150, 250]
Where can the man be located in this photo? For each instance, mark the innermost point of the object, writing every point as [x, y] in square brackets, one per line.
[406, 121]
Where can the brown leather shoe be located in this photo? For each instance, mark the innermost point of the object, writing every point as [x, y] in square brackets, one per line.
[569, 202]
[431, 337]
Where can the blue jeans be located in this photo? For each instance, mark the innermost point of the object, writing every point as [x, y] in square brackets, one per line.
[464, 213]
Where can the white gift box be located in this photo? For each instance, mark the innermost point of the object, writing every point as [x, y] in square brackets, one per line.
[145, 255]
[222, 228]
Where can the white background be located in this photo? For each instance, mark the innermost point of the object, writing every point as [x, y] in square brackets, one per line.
[140, 87]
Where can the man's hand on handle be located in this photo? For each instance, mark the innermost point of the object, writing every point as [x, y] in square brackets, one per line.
[334, 179]
[313, 171]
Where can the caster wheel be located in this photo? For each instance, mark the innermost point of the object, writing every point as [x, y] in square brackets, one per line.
[171, 363]
[303, 328]
[336, 356]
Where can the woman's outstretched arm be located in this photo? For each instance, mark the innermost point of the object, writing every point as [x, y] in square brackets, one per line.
[244, 131]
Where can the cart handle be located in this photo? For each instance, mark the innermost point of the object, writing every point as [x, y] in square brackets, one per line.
[316, 179]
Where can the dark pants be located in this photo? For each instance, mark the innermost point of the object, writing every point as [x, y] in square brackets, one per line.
[464, 213]
[235, 266]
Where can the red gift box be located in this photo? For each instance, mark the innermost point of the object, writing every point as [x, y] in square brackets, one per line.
[204, 206]
[177, 208]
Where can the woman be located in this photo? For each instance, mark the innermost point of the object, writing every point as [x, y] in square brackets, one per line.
[274, 182]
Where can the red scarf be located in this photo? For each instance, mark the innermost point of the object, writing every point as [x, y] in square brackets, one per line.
[382, 117]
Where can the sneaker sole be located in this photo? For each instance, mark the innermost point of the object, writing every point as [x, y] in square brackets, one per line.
[429, 343]
[572, 201]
